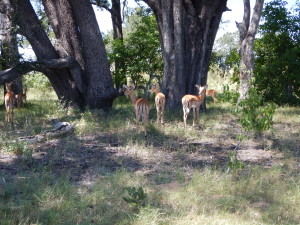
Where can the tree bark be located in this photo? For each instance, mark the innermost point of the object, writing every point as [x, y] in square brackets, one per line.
[247, 32]
[8, 43]
[187, 32]
[100, 90]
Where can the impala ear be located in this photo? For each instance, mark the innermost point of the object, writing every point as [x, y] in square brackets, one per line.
[124, 86]
[197, 86]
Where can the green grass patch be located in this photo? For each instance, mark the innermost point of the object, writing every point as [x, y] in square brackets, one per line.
[83, 178]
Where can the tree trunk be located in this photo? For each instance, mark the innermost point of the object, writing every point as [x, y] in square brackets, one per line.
[187, 31]
[100, 90]
[116, 19]
[76, 65]
[247, 36]
[9, 47]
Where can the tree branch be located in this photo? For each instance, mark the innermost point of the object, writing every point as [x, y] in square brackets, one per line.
[103, 5]
[22, 68]
[256, 17]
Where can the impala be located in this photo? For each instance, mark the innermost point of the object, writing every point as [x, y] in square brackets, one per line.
[9, 101]
[212, 93]
[141, 106]
[21, 98]
[193, 101]
[160, 101]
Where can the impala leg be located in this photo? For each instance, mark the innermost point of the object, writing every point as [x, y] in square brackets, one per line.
[185, 115]
[197, 115]
[194, 116]
[162, 113]
[7, 116]
[157, 114]
[137, 120]
[145, 121]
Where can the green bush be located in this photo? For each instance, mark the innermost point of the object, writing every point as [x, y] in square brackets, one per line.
[254, 115]
[229, 95]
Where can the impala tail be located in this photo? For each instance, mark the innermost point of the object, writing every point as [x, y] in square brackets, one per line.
[193, 102]
[141, 106]
[160, 101]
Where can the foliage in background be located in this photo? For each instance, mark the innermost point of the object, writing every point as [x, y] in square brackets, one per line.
[229, 95]
[224, 63]
[38, 81]
[277, 61]
[140, 51]
[225, 51]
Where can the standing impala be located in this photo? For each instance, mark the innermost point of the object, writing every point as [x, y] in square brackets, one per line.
[21, 97]
[212, 93]
[141, 106]
[9, 101]
[193, 101]
[160, 101]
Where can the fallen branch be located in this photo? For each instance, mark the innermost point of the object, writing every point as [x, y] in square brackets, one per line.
[60, 129]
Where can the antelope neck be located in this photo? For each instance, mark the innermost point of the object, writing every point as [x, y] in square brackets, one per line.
[133, 98]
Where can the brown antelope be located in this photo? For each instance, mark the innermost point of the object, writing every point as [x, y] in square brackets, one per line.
[160, 101]
[212, 93]
[141, 106]
[21, 98]
[9, 101]
[193, 101]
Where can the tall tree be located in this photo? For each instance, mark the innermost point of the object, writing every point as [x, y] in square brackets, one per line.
[187, 33]
[76, 64]
[248, 31]
[8, 44]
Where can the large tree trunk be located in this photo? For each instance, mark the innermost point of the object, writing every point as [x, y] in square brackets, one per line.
[187, 30]
[100, 90]
[247, 36]
[76, 65]
[9, 46]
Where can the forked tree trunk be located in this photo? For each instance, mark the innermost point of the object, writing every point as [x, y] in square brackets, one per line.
[187, 32]
[76, 63]
[247, 32]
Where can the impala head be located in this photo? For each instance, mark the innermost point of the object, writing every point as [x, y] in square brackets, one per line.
[153, 88]
[8, 86]
[128, 89]
[201, 89]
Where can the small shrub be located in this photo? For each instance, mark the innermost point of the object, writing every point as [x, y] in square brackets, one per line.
[136, 197]
[254, 115]
[234, 163]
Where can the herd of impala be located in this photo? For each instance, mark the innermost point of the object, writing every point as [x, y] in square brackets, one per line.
[141, 105]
